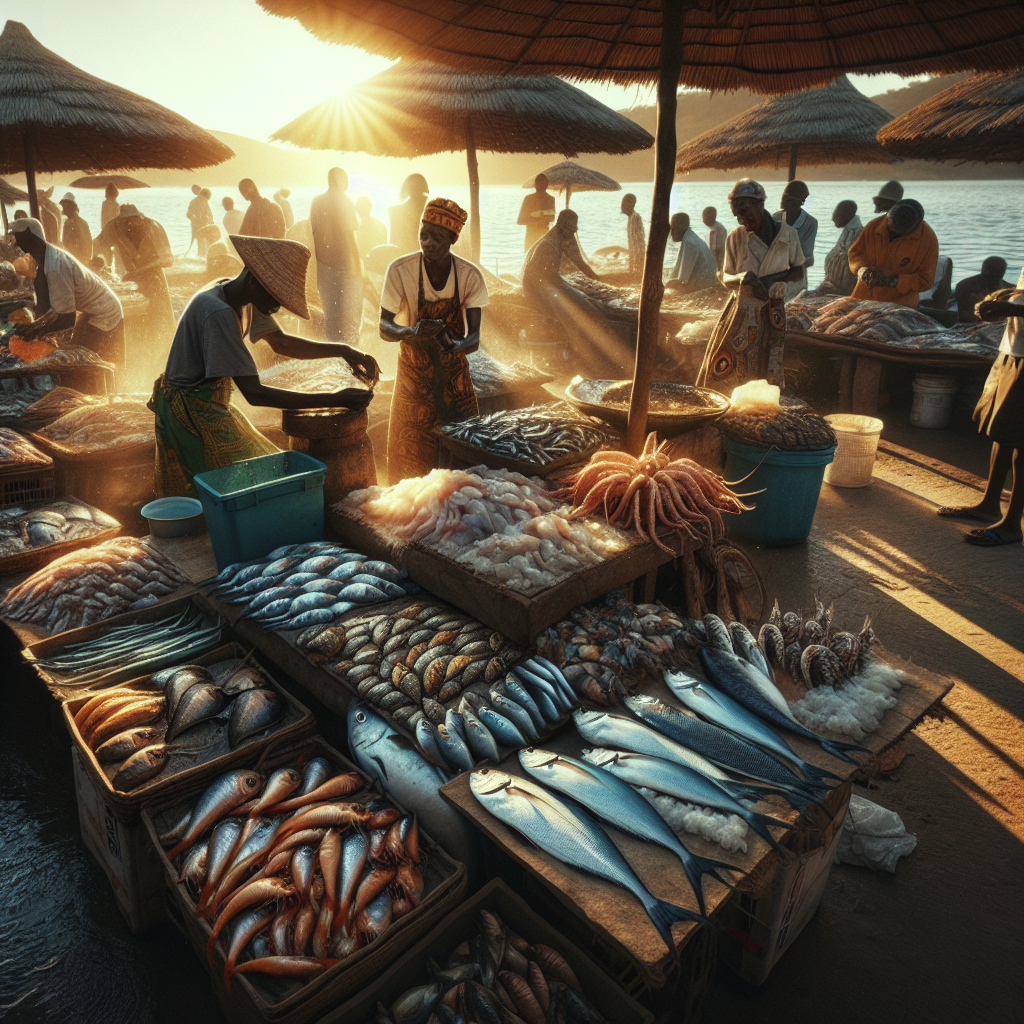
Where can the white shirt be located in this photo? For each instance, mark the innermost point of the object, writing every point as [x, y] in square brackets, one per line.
[1013, 335]
[74, 288]
[402, 285]
[744, 250]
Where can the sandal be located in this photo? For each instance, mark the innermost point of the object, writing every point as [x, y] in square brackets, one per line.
[989, 539]
[966, 512]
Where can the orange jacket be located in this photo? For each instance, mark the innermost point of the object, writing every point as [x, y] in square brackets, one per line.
[913, 257]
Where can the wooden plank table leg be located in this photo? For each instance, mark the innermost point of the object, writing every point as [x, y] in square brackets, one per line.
[867, 378]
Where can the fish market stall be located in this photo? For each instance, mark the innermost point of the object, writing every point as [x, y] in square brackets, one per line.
[868, 333]
[501, 385]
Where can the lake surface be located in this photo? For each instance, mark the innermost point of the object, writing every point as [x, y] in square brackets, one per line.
[973, 219]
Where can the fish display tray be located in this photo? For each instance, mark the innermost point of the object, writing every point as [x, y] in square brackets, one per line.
[298, 721]
[586, 395]
[35, 558]
[458, 454]
[461, 925]
[520, 617]
[250, 1002]
[87, 378]
[852, 344]
[41, 650]
[27, 484]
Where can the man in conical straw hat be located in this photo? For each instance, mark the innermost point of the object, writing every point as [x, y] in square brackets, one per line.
[197, 426]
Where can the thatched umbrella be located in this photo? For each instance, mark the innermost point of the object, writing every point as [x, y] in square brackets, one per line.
[833, 124]
[103, 180]
[570, 177]
[55, 117]
[980, 118]
[769, 46]
[9, 194]
[417, 108]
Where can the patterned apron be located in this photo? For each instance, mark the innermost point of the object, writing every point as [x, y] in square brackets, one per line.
[431, 387]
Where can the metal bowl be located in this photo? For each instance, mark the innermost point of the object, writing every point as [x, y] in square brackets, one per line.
[174, 517]
[674, 408]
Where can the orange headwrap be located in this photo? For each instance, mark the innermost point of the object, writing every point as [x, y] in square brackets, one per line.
[447, 214]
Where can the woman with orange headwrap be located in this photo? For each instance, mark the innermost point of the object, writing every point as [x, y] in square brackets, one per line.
[431, 305]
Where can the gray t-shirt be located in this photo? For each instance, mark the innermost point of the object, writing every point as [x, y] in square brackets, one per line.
[208, 342]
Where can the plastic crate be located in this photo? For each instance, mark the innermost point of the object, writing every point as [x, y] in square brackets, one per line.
[259, 504]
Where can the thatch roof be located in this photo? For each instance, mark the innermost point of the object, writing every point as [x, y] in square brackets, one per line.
[831, 125]
[77, 122]
[103, 180]
[980, 118]
[770, 46]
[568, 175]
[11, 193]
[416, 108]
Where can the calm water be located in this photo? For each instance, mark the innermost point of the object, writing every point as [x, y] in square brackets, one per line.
[971, 218]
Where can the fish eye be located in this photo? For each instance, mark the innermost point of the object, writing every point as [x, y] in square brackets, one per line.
[360, 717]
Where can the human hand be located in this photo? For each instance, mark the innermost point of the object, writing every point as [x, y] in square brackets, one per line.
[988, 310]
[869, 276]
[355, 399]
[364, 366]
[428, 328]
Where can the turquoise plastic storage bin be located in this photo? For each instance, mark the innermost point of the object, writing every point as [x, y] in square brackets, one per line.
[791, 483]
[257, 505]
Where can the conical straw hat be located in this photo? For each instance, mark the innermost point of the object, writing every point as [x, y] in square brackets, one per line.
[279, 264]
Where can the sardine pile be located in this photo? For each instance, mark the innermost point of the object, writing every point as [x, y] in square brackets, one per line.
[186, 715]
[291, 873]
[537, 553]
[62, 358]
[496, 975]
[18, 393]
[301, 585]
[452, 506]
[490, 376]
[119, 423]
[413, 661]
[605, 649]
[53, 404]
[133, 649]
[653, 493]
[311, 376]
[22, 529]
[16, 450]
[790, 429]
[538, 434]
[93, 584]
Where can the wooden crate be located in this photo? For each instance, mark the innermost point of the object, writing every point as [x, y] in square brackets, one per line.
[251, 1001]
[462, 924]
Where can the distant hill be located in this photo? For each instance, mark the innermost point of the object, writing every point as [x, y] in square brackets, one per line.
[272, 165]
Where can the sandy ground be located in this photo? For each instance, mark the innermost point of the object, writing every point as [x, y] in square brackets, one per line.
[941, 940]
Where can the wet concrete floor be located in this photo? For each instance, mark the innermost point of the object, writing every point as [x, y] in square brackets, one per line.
[941, 940]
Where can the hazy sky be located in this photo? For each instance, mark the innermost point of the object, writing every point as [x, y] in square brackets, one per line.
[225, 64]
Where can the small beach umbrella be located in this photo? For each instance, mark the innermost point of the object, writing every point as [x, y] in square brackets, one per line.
[980, 118]
[55, 117]
[569, 177]
[769, 46]
[833, 124]
[417, 108]
[119, 181]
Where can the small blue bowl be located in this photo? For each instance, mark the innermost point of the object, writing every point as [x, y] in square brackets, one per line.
[174, 517]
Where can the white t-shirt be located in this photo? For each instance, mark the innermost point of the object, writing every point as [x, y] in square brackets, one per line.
[402, 284]
[1013, 335]
[74, 288]
[208, 340]
[745, 250]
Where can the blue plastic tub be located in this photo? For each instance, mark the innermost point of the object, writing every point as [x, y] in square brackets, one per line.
[257, 505]
[791, 482]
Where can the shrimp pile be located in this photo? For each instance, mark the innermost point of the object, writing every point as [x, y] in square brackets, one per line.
[652, 493]
[451, 506]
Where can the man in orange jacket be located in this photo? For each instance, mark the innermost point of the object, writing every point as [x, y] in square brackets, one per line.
[895, 256]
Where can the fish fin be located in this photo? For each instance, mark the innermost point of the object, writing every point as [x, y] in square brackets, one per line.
[663, 915]
[697, 867]
[815, 773]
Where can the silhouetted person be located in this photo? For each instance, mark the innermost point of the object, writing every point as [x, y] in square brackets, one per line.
[76, 236]
[794, 195]
[233, 217]
[695, 267]
[371, 232]
[839, 279]
[888, 196]
[537, 211]
[716, 235]
[264, 218]
[405, 217]
[971, 290]
[200, 216]
[339, 272]
[49, 215]
[281, 198]
[635, 237]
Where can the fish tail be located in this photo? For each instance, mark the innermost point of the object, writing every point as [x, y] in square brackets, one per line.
[663, 915]
[759, 823]
[840, 750]
[697, 867]
[817, 774]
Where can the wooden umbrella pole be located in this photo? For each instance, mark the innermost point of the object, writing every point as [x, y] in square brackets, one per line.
[30, 174]
[474, 192]
[793, 151]
[653, 288]
[568, 195]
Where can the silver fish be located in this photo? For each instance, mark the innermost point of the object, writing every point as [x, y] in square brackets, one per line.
[426, 737]
[571, 835]
[454, 748]
[514, 713]
[180, 681]
[303, 863]
[514, 690]
[315, 773]
[223, 840]
[142, 766]
[478, 736]
[354, 850]
[119, 747]
[219, 799]
[251, 713]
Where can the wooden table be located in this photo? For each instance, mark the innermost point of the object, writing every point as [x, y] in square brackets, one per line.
[611, 911]
[861, 374]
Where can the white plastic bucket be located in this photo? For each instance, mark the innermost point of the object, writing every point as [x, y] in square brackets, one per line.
[933, 401]
[856, 445]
